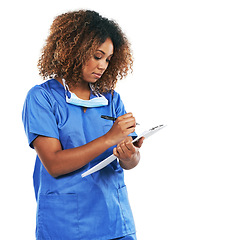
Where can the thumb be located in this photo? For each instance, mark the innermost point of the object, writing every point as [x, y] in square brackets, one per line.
[139, 143]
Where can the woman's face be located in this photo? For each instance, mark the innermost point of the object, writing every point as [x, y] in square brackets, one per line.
[98, 63]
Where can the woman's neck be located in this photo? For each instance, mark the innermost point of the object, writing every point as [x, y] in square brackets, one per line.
[81, 89]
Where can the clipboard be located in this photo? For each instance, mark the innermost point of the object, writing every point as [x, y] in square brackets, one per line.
[112, 157]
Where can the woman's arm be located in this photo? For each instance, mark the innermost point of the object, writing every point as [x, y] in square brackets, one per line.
[59, 162]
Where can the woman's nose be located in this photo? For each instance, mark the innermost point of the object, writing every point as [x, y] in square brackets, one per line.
[103, 65]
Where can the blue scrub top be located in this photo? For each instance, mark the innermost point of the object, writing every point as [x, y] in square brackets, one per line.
[72, 207]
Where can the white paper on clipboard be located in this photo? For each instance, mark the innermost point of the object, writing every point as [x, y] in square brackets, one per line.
[111, 158]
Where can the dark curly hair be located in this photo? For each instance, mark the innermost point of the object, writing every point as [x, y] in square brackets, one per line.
[74, 37]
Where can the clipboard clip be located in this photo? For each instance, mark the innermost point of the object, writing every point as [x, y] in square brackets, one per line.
[159, 126]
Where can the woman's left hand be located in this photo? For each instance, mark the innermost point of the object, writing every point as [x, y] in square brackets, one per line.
[128, 152]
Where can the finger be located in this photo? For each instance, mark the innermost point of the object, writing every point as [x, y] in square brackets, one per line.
[126, 115]
[128, 139]
[130, 147]
[123, 151]
[120, 148]
[127, 150]
[116, 153]
[127, 122]
[130, 122]
[139, 143]
[124, 147]
[129, 131]
[126, 118]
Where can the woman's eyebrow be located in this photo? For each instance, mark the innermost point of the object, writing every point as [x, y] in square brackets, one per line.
[104, 52]
[101, 51]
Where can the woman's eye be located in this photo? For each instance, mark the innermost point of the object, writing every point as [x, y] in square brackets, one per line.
[97, 58]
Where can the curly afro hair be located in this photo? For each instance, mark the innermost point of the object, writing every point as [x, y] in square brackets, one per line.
[74, 38]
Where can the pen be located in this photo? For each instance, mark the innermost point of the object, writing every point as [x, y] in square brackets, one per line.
[112, 118]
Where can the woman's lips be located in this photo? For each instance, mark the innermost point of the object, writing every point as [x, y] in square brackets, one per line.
[97, 75]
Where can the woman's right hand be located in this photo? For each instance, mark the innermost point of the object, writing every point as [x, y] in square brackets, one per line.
[122, 127]
[59, 162]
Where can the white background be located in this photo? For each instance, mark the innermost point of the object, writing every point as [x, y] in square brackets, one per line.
[186, 75]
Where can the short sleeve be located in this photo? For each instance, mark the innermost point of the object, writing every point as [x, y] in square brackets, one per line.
[38, 115]
[119, 109]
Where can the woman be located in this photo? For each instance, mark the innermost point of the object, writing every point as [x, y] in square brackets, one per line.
[84, 56]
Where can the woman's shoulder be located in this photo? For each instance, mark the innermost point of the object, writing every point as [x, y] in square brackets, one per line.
[112, 94]
[42, 90]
